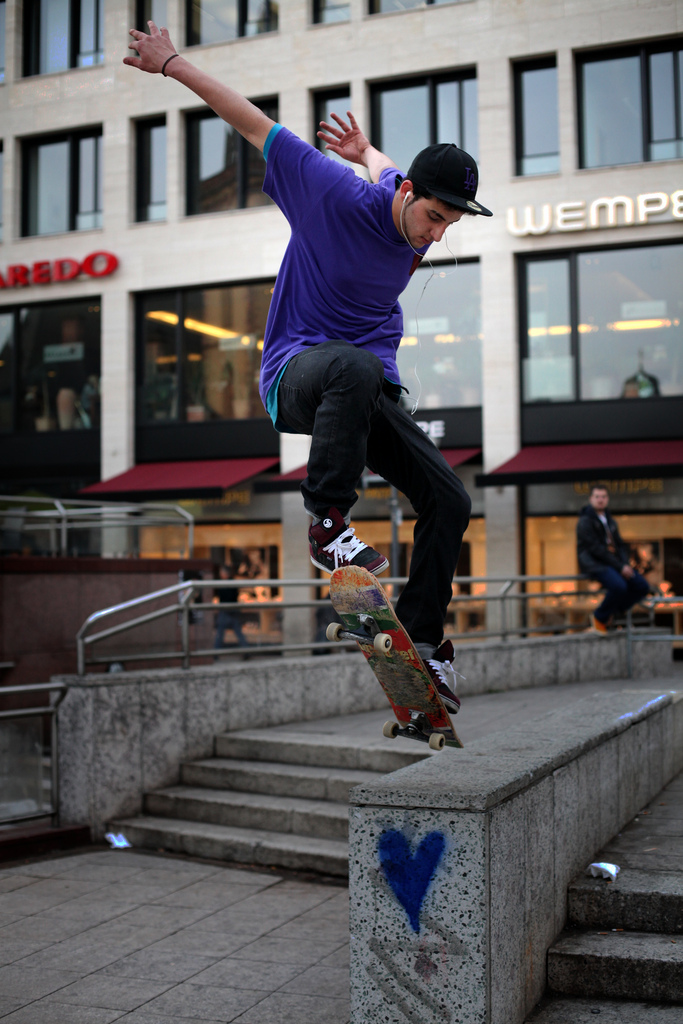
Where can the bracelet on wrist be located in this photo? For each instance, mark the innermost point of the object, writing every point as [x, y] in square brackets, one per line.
[163, 66]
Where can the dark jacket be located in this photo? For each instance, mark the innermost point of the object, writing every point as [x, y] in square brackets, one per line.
[591, 543]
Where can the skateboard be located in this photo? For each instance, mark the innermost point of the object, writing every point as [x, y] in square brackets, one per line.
[368, 618]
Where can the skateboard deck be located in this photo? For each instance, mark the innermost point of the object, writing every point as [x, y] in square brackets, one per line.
[368, 617]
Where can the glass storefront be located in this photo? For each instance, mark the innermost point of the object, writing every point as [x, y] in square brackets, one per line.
[57, 351]
[201, 353]
[440, 354]
[603, 324]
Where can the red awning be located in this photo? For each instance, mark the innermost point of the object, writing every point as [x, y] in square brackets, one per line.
[458, 456]
[210, 475]
[290, 481]
[550, 463]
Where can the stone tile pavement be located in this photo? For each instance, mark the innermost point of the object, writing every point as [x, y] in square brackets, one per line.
[119, 935]
[101, 935]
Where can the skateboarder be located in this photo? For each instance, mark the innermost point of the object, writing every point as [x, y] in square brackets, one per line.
[329, 357]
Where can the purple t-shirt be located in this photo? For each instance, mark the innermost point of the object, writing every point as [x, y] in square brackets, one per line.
[345, 263]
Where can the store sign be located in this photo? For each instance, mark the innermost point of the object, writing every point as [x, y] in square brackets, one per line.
[22, 275]
[605, 212]
[435, 429]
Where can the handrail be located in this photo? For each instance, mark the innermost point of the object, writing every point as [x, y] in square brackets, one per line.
[79, 513]
[187, 591]
[50, 709]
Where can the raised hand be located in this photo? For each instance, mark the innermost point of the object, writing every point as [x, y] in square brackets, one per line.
[152, 50]
[346, 140]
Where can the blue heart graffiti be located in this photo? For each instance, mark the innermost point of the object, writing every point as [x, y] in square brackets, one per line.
[408, 874]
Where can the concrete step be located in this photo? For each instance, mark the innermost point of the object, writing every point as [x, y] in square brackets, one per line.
[585, 1011]
[642, 901]
[617, 965]
[321, 818]
[308, 781]
[245, 846]
[322, 750]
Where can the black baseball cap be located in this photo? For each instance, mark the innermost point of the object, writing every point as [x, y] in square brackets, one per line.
[450, 174]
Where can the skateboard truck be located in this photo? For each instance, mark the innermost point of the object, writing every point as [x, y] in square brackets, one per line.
[369, 633]
[418, 728]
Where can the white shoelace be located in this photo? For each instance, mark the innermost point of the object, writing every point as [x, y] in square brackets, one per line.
[345, 547]
[446, 672]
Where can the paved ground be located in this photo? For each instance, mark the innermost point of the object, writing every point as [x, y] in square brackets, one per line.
[146, 939]
[100, 936]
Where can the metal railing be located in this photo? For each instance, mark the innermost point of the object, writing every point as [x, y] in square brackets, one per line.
[567, 607]
[57, 519]
[22, 788]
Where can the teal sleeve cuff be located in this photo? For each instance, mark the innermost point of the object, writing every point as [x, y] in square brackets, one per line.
[269, 139]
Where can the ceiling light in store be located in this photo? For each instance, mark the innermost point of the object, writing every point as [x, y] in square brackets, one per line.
[639, 325]
[210, 329]
[408, 339]
[163, 315]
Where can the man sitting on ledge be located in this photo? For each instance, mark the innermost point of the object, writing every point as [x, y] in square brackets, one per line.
[604, 557]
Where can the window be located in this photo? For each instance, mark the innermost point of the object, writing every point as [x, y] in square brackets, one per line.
[339, 101]
[224, 171]
[57, 348]
[62, 183]
[3, 9]
[412, 114]
[603, 325]
[151, 169]
[536, 128]
[200, 353]
[61, 34]
[151, 10]
[440, 353]
[385, 6]
[331, 10]
[216, 21]
[631, 106]
[6, 370]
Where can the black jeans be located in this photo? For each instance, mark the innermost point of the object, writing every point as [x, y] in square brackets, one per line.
[334, 391]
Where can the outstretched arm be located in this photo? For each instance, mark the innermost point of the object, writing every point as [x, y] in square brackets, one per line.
[349, 142]
[154, 49]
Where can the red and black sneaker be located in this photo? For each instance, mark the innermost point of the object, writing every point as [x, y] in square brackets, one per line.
[333, 544]
[444, 676]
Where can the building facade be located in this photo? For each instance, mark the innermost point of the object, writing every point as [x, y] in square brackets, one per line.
[138, 256]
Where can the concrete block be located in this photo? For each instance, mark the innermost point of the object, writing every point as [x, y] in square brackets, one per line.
[644, 901]
[539, 902]
[163, 732]
[522, 899]
[568, 666]
[245, 846]
[472, 663]
[418, 921]
[75, 751]
[117, 776]
[608, 784]
[618, 965]
[582, 1011]
[208, 705]
[543, 670]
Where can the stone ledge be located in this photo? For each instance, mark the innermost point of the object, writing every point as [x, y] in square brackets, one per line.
[494, 768]
[459, 865]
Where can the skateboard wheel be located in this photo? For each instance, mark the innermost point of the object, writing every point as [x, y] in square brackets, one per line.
[437, 741]
[333, 630]
[390, 730]
[382, 643]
